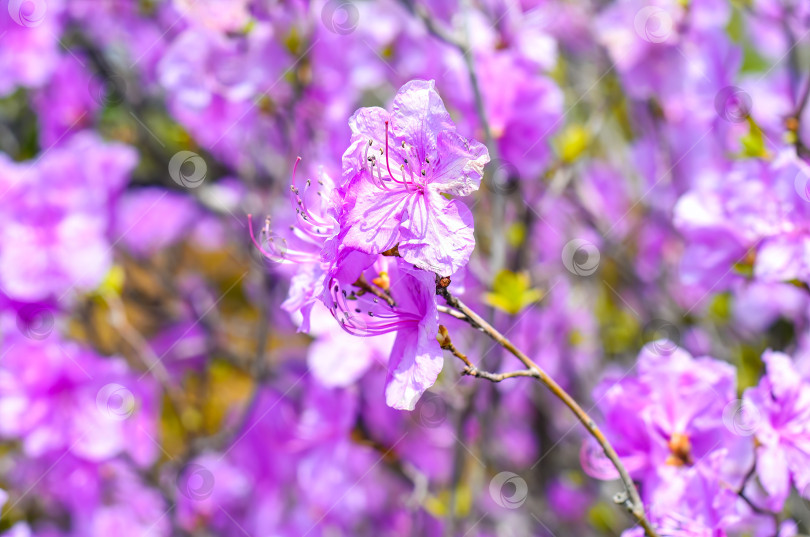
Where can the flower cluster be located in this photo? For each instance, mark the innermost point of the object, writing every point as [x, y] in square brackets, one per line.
[503, 211]
[706, 461]
[373, 246]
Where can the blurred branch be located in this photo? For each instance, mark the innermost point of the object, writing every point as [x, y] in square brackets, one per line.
[453, 313]
[630, 498]
[794, 121]
[259, 373]
[751, 504]
[498, 247]
[143, 350]
[438, 31]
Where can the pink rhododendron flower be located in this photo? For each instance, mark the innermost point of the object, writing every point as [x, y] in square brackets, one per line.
[399, 166]
[780, 415]
[405, 303]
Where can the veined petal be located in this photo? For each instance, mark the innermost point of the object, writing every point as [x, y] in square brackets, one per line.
[418, 115]
[785, 380]
[415, 363]
[372, 224]
[461, 167]
[366, 124]
[416, 358]
[772, 471]
[438, 236]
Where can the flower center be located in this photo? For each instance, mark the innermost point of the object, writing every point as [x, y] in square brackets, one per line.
[681, 450]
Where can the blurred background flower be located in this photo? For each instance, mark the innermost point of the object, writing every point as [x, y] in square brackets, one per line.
[642, 231]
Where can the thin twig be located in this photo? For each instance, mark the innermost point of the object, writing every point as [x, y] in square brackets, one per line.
[498, 248]
[143, 350]
[259, 372]
[447, 344]
[630, 498]
[453, 313]
[466, 412]
[498, 377]
[471, 370]
[800, 97]
[435, 29]
[746, 499]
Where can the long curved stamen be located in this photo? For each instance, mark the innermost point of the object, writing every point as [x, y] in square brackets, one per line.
[307, 216]
[303, 212]
[295, 169]
[387, 165]
[255, 242]
[313, 235]
[295, 257]
[367, 332]
[379, 177]
[287, 255]
[410, 172]
[369, 321]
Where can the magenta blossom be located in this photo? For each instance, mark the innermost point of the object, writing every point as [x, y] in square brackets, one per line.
[399, 166]
[57, 396]
[392, 296]
[668, 417]
[697, 504]
[56, 216]
[68, 102]
[782, 420]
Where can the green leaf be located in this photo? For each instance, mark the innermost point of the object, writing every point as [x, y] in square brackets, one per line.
[720, 308]
[753, 143]
[113, 282]
[439, 505]
[511, 292]
[750, 367]
[516, 234]
[572, 142]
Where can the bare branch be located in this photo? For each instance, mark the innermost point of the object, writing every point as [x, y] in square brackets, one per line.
[630, 498]
[498, 377]
[453, 313]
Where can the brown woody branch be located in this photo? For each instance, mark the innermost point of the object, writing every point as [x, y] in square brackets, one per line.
[630, 497]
